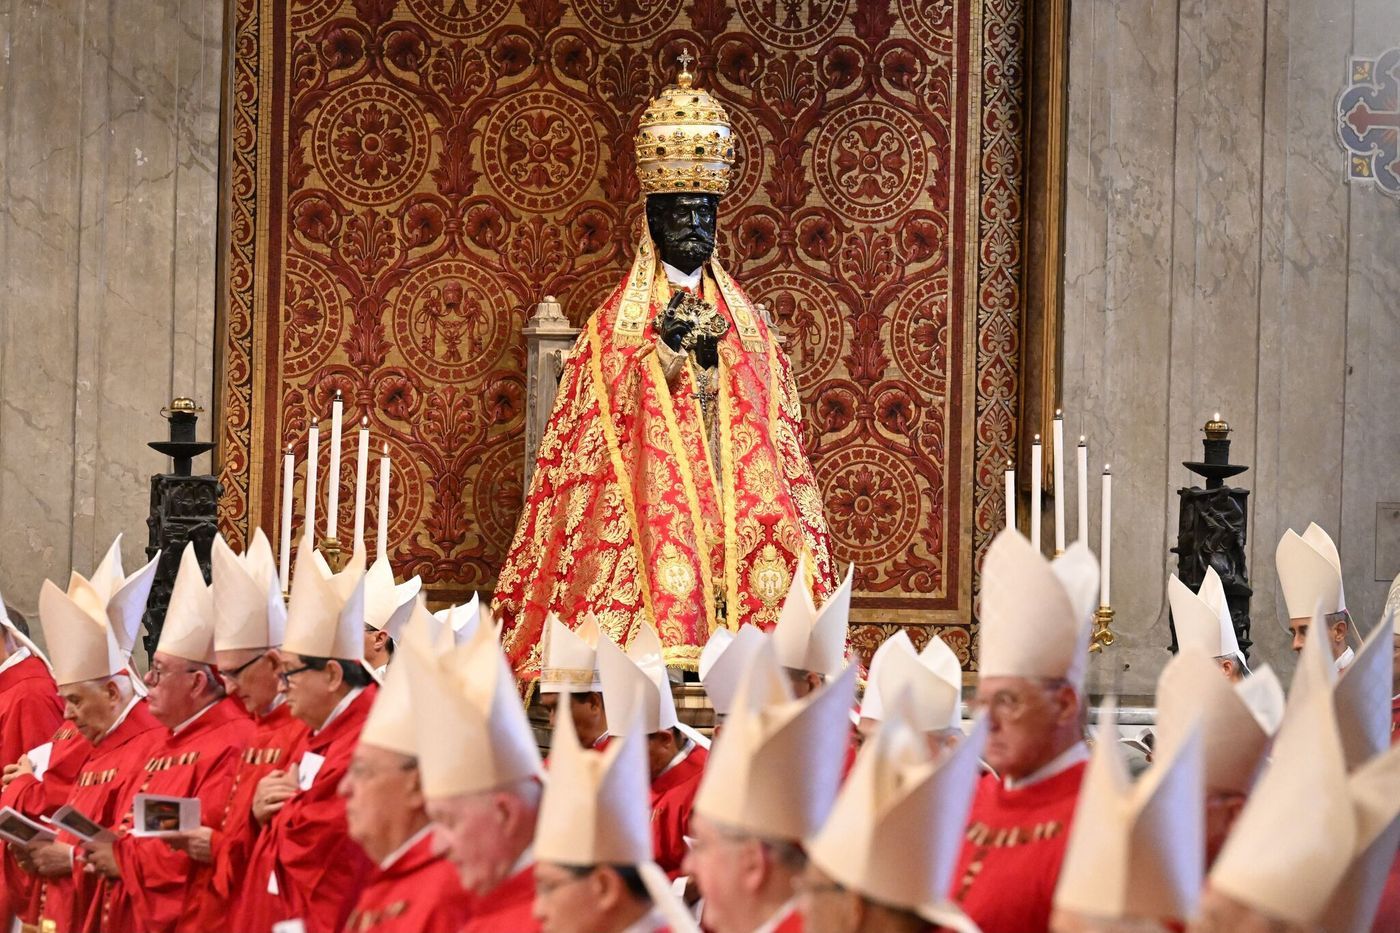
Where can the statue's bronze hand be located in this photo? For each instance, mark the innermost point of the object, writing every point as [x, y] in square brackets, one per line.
[707, 352]
[672, 327]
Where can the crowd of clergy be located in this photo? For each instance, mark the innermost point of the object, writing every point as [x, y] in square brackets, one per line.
[363, 764]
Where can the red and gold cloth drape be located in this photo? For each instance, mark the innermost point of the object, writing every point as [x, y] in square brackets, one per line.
[407, 178]
[633, 517]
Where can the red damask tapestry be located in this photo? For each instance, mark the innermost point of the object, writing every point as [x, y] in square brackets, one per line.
[409, 177]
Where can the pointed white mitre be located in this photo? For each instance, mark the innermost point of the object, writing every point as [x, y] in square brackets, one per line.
[322, 620]
[1194, 698]
[459, 623]
[570, 656]
[777, 769]
[933, 679]
[122, 598]
[249, 612]
[1310, 572]
[82, 644]
[390, 723]
[595, 809]
[895, 832]
[188, 631]
[20, 638]
[1362, 698]
[1374, 789]
[724, 660]
[470, 727]
[636, 676]
[807, 639]
[388, 605]
[1136, 851]
[1203, 618]
[1293, 841]
[1036, 613]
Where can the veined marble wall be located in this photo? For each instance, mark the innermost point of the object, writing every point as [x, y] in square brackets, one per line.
[109, 128]
[1216, 260]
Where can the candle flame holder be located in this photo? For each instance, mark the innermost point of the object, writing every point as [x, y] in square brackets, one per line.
[1102, 636]
[335, 557]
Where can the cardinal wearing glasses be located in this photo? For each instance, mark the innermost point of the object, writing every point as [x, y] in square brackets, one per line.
[304, 865]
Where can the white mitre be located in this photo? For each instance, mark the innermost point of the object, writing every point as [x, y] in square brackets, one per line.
[807, 639]
[933, 679]
[896, 829]
[249, 612]
[82, 644]
[325, 618]
[388, 605]
[570, 656]
[777, 768]
[1362, 698]
[21, 639]
[638, 676]
[1194, 700]
[188, 631]
[1203, 618]
[121, 597]
[1036, 614]
[723, 661]
[1310, 573]
[471, 730]
[1136, 850]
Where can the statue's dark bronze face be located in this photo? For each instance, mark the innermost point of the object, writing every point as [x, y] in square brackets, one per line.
[683, 228]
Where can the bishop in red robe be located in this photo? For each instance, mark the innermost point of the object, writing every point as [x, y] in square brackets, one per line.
[672, 799]
[412, 890]
[508, 907]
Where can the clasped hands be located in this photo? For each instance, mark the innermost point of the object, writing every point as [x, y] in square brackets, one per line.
[682, 327]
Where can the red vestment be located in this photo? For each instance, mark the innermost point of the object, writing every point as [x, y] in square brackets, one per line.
[35, 798]
[318, 868]
[508, 907]
[154, 890]
[1394, 720]
[97, 793]
[1011, 856]
[418, 893]
[30, 711]
[672, 798]
[635, 515]
[276, 742]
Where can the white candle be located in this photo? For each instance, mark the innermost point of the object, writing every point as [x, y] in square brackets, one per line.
[313, 455]
[1081, 467]
[1011, 499]
[383, 502]
[361, 479]
[1035, 492]
[1058, 443]
[284, 552]
[333, 478]
[1105, 548]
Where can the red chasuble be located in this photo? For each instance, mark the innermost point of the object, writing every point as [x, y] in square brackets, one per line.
[306, 847]
[418, 893]
[30, 711]
[35, 798]
[277, 741]
[508, 907]
[154, 888]
[1011, 856]
[98, 791]
[672, 798]
[632, 516]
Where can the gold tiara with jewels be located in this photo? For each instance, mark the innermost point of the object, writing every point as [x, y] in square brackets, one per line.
[685, 144]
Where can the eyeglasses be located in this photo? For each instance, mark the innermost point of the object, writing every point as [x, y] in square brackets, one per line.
[237, 672]
[286, 676]
[154, 675]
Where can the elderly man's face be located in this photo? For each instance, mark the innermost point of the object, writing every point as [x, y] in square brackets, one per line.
[176, 688]
[469, 833]
[382, 795]
[1024, 718]
[91, 706]
[724, 868]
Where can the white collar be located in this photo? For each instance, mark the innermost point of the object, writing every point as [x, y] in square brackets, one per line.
[130, 705]
[277, 700]
[182, 726]
[680, 756]
[689, 280]
[781, 914]
[339, 708]
[1344, 662]
[600, 739]
[526, 859]
[14, 659]
[380, 672]
[1061, 763]
[389, 860]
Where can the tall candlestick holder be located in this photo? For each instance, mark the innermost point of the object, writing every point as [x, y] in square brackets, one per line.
[1102, 635]
[335, 558]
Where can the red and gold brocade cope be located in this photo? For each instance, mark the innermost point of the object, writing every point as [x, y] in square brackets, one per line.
[626, 517]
